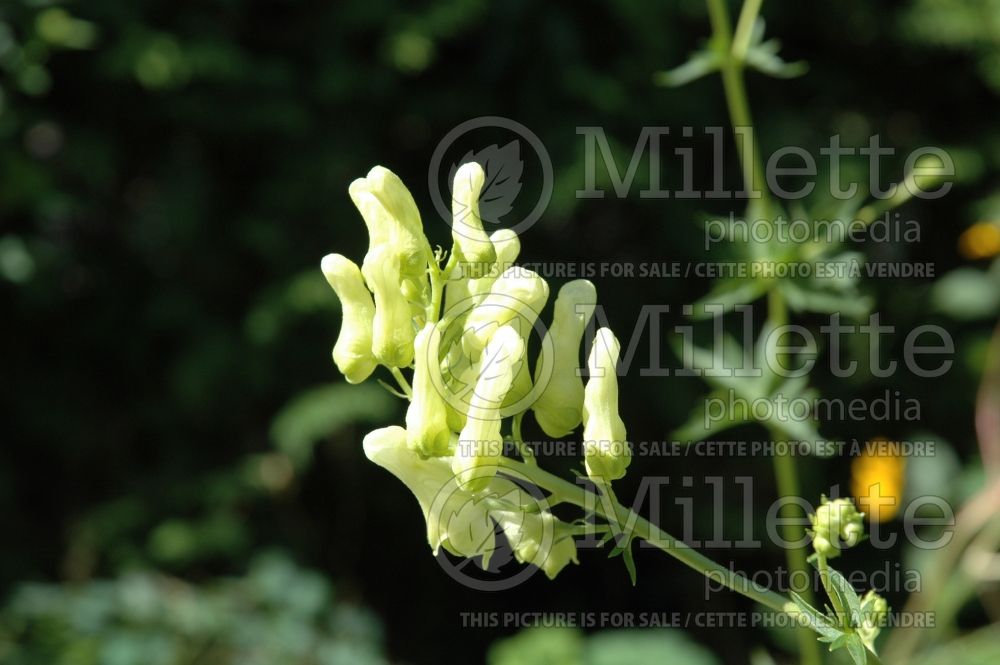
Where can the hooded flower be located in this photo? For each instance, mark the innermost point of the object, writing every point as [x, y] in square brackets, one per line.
[427, 417]
[518, 295]
[467, 225]
[559, 409]
[455, 519]
[605, 448]
[539, 539]
[480, 444]
[392, 328]
[393, 220]
[353, 351]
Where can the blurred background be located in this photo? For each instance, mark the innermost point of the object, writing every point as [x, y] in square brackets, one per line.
[181, 474]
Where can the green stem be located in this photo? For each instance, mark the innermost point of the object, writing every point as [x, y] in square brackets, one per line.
[439, 278]
[522, 447]
[824, 576]
[565, 491]
[750, 164]
[736, 102]
[744, 28]
[404, 385]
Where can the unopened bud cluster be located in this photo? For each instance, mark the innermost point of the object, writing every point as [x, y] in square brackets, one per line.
[835, 525]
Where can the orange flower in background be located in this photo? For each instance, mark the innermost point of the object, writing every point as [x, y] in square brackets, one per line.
[878, 479]
[980, 241]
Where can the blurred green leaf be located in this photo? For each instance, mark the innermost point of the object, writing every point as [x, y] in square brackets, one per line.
[966, 294]
[321, 411]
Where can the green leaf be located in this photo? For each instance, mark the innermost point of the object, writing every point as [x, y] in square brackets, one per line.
[810, 297]
[856, 649]
[966, 294]
[717, 365]
[699, 426]
[816, 620]
[319, 412]
[729, 293]
[698, 65]
[763, 56]
[764, 59]
[847, 595]
[629, 562]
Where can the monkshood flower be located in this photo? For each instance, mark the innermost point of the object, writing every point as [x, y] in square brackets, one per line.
[605, 448]
[466, 225]
[518, 295]
[353, 351]
[427, 418]
[480, 444]
[538, 538]
[393, 327]
[465, 291]
[455, 521]
[393, 221]
[559, 409]
[836, 523]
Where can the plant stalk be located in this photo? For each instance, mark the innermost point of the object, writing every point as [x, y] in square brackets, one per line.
[786, 475]
[563, 491]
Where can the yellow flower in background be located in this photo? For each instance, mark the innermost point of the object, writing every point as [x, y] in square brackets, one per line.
[980, 241]
[878, 479]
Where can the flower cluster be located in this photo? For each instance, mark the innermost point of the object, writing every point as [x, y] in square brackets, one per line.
[464, 330]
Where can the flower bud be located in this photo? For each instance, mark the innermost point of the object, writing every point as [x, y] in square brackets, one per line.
[559, 409]
[606, 450]
[480, 444]
[392, 328]
[353, 351]
[392, 218]
[539, 539]
[519, 294]
[427, 418]
[836, 522]
[467, 225]
[454, 520]
[874, 615]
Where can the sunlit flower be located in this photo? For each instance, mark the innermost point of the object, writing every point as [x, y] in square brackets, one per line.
[605, 448]
[353, 351]
[517, 297]
[480, 444]
[427, 417]
[538, 538]
[456, 521]
[467, 225]
[559, 409]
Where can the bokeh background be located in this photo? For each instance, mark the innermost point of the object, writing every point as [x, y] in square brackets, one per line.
[181, 477]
